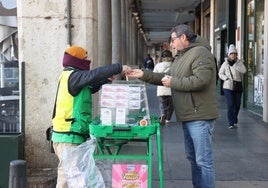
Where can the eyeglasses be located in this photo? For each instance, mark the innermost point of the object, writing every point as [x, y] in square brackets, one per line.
[174, 38]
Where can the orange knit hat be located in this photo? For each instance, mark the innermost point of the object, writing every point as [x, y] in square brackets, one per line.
[77, 51]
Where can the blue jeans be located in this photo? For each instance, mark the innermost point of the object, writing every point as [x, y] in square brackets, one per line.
[198, 150]
[233, 105]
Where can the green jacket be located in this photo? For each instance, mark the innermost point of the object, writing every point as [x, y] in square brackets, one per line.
[193, 82]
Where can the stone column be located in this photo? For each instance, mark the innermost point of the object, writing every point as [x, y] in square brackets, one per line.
[132, 40]
[116, 31]
[43, 63]
[140, 49]
[265, 74]
[123, 31]
[104, 32]
[128, 35]
[135, 42]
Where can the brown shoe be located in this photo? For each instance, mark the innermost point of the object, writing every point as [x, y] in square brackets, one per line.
[163, 120]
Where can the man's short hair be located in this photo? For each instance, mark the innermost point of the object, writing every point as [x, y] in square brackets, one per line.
[184, 29]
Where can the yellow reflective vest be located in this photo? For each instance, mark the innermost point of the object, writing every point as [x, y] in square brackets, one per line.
[72, 113]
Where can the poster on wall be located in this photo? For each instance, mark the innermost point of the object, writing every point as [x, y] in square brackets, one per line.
[258, 90]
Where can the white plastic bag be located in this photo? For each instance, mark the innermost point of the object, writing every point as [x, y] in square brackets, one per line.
[79, 166]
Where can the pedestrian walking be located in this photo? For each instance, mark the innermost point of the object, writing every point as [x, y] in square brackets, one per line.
[163, 92]
[231, 72]
[148, 63]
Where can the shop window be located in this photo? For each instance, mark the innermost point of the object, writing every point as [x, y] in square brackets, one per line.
[9, 97]
[255, 55]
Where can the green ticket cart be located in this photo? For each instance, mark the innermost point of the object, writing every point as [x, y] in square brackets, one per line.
[124, 118]
[122, 135]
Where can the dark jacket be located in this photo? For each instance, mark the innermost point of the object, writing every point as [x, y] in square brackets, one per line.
[77, 83]
[149, 63]
[94, 78]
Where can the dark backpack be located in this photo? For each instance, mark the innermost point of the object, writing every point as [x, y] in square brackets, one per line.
[149, 64]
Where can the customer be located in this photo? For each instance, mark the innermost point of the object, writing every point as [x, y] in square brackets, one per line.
[232, 69]
[192, 81]
[163, 92]
[73, 107]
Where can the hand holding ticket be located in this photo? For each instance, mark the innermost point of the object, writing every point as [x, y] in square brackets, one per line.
[166, 80]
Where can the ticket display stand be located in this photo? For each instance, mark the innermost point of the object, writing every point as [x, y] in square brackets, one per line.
[134, 125]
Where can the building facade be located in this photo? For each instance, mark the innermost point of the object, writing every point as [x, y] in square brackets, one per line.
[243, 23]
[108, 30]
